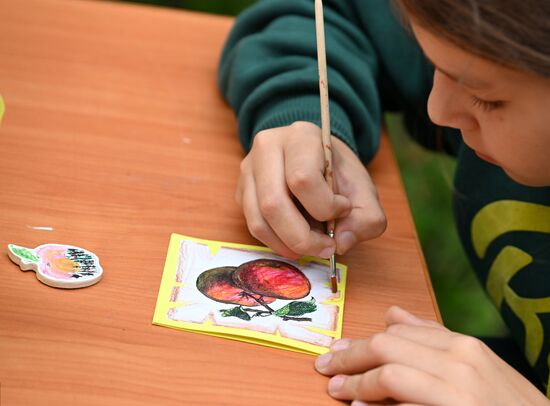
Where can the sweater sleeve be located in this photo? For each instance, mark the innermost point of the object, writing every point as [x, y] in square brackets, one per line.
[268, 69]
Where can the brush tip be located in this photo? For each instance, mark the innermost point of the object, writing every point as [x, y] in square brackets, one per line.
[334, 284]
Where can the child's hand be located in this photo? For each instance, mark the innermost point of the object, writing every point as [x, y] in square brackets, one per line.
[285, 197]
[419, 361]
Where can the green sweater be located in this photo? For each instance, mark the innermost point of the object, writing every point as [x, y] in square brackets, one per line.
[268, 74]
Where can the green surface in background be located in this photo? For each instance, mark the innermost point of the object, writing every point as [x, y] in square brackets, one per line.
[428, 181]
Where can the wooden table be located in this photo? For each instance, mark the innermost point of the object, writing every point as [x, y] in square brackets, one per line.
[114, 137]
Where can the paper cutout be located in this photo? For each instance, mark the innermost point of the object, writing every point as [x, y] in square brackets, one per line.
[58, 265]
[248, 293]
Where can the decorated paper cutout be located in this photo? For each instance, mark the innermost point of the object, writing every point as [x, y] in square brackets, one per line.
[250, 294]
[58, 265]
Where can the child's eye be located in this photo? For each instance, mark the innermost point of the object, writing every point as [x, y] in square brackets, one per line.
[486, 105]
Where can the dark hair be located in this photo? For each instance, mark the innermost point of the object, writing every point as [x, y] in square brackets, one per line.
[514, 33]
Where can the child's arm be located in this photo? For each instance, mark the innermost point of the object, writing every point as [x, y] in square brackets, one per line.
[268, 70]
[268, 74]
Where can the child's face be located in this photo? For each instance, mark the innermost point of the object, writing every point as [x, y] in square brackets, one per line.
[503, 114]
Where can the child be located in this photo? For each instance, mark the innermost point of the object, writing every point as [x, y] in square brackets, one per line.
[482, 75]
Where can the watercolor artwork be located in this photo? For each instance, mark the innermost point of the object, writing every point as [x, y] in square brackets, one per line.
[58, 265]
[248, 293]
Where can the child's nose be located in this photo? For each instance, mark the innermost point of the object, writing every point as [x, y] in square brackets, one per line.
[448, 105]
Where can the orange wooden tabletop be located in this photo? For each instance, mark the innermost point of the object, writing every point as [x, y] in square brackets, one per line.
[115, 136]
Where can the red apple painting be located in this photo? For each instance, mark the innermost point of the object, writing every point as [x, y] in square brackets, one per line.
[273, 278]
[250, 294]
[217, 284]
[258, 283]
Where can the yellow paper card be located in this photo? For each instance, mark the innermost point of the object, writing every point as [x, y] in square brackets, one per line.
[248, 293]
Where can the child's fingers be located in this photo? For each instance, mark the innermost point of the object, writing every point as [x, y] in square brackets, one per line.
[256, 224]
[304, 176]
[355, 228]
[440, 339]
[380, 349]
[278, 209]
[396, 314]
[463, 348]
[245, 196]
[364, 222]
[366, 219]
[361, 403]
[397, 382]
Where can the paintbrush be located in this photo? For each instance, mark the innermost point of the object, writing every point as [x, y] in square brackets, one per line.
[325, 123]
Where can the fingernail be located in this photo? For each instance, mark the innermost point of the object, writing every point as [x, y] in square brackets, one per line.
[345, 241]
[335, 384]
[321, 363]
[340, 344]
[327, 252]
[359, 403]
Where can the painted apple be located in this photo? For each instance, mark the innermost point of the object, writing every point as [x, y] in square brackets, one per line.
[218, 285]
[272, 278]
[58, 265]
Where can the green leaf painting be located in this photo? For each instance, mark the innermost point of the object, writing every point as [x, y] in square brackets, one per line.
[24, 253]
[235, 312]
[297, 308]
[290, 311]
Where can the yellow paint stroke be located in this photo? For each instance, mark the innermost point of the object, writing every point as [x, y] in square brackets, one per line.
[491, 222]
[330, 333]
[506, 216]
[2, 108]
[214, 248]
[209, 328]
